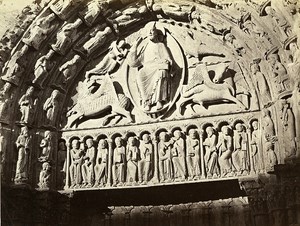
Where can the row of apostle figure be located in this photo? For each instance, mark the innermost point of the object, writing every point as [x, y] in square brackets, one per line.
[178, 157]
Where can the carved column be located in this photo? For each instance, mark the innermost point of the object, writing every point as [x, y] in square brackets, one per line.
[68, 165]
[110, 153]
[201, 132]
[155, 143]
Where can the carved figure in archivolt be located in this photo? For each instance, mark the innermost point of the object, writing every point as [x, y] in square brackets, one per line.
[173, 10]
[23, 146]
[51, 107]
[178, 155]
[93, 9]
[87, 167]
[280, 78]
[211, 154]
[98, 38]
[269, 138]
[294, 65]
[146, 159]
[65, 36]
[27, 105]
[62, 8]
[39, 31]
[42, 68]
[229, 38]
[260, 82]
[15, 67]
[203, 91]
[225, 146]
[46, 146]
[132, 157]
[44, 178]
[101, 167]
[96, 99]
[288, 125]
[110, 63]
[76, 156]
[69, 69]
[158, 71]
[164, 158]
[130, 15]
[256, 148]
[240, 154]
[193, 155]
[6, 97]
[119, 160]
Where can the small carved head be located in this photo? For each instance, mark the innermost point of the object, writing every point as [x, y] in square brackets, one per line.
[62, 145]
[30, 91]
[118, 141]
[193, 134]
[239, 127]
[153, 34]
[270, 11]
[55, 94]
[75, 143]
[163, 136]
[146, 138]
[177, 134]
[46, 166]
[89, 142]
[47, 134]
[255, 125]
[102, 143]
[131, 141]
[225, 130]
[210, 131]
[24, 130]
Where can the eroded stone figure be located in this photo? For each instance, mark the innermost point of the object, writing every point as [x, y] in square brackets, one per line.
[46, 146]
[164, 158]
[44, 178]
[146, 159]
[132, 158]
[234, 42]
[280, 78]
[193, 155]
[3, 146]
[42, 68]
[65, 36]
[15, 67]
[261, 82]
[62, 162]
[178, 155]
[111, 61]
[62, 8]
[39, 31]
[98, 38]
[118, 166]
[5, 100]
[240, 154]
[69, 69]
[51, 107]
[76, 156]
[23, 146]
[288, 124]
[154, 76]
[255, 148]
[176, 11]
[101, 166]
[93, 9]
[132, 14]
[225, 146]
[87, 167]
[269, 138]
[211, 155]
[27, 105]
[294, 65]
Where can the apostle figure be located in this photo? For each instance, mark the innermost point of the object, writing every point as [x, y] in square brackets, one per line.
[178, 155]
[211, 155]
[225, 146]
[164, 158]
[51, 107]
[132, 160]
[118, 167]
[76, 161]
[88, 165]
[193, 155]
[101, 169]
[154, 76]
[145, 163]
